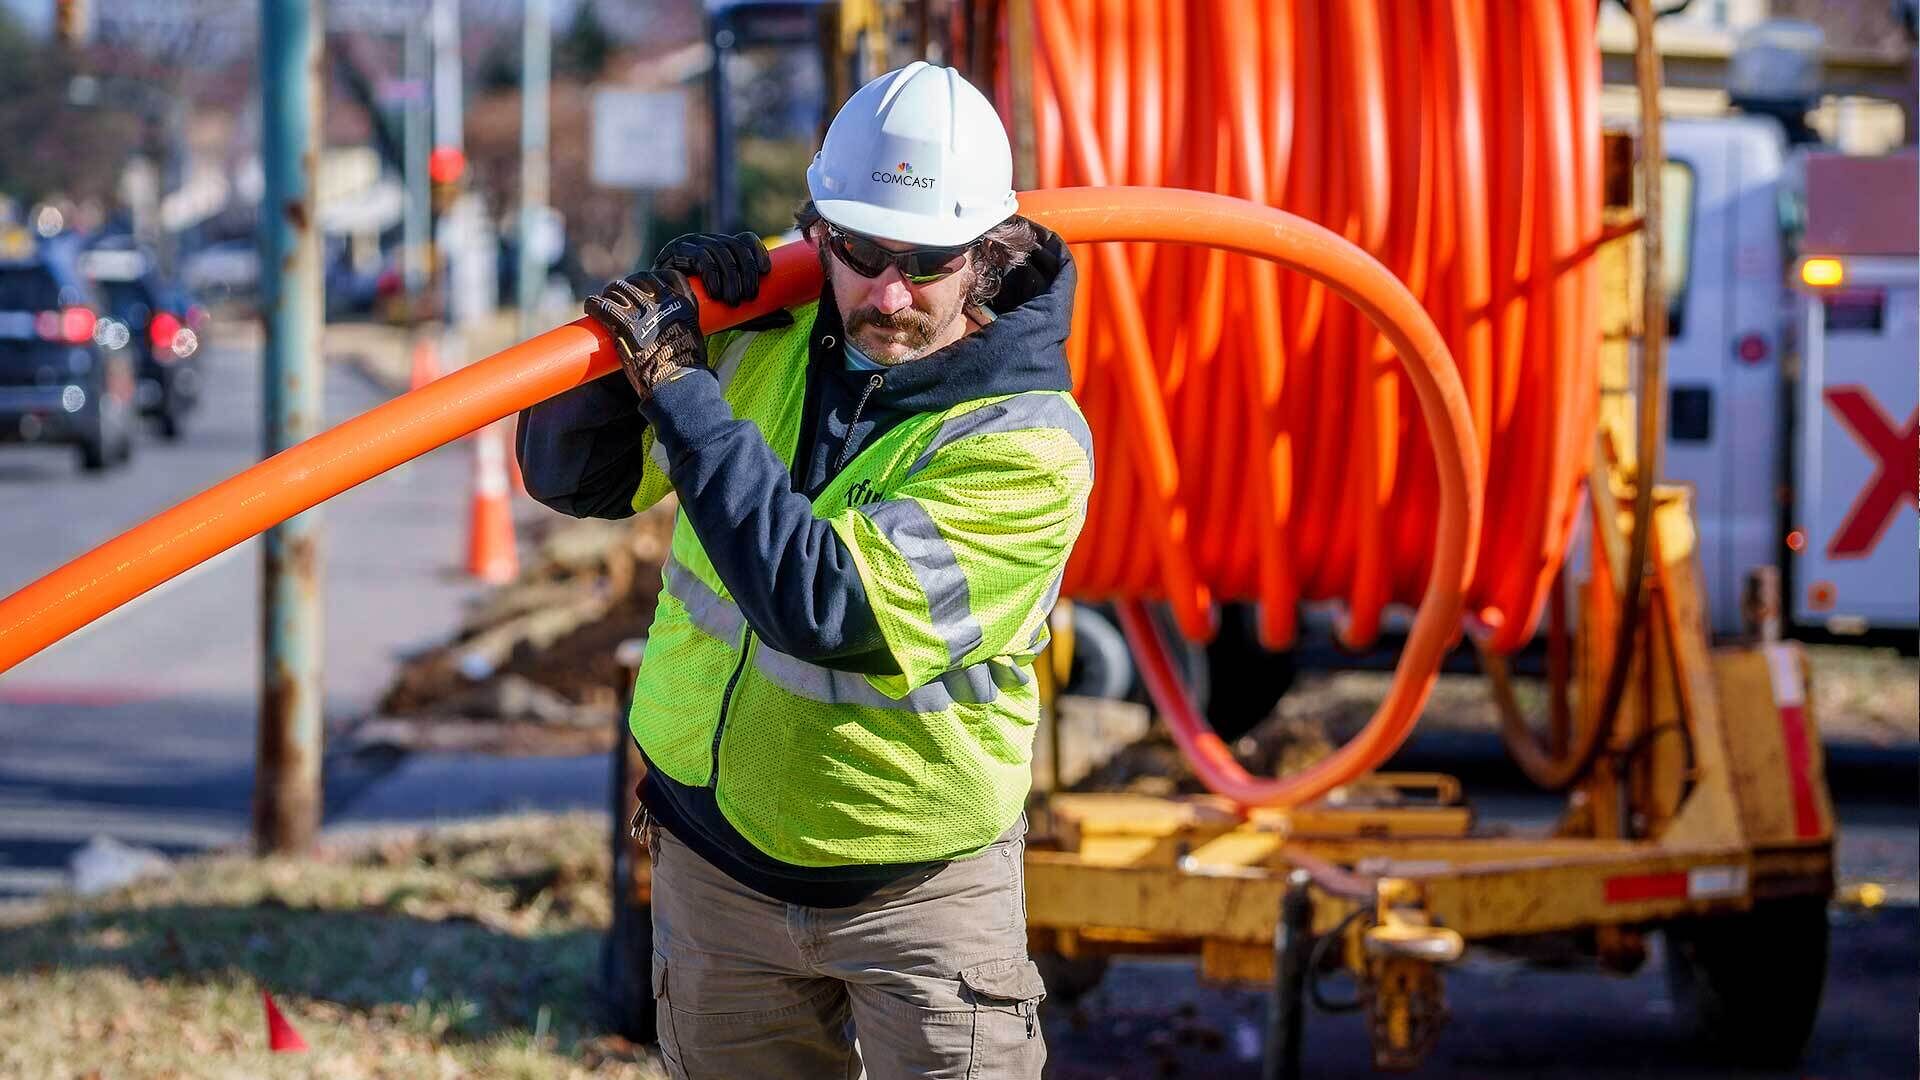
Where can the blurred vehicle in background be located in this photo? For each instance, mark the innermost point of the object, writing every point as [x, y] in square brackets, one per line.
[167, 329]
[1856, 402]
[351, 289]
[224, 271]
[66, 372]
[560, 285]
[1790, 287]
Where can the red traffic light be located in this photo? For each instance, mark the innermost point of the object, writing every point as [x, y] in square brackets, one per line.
[446, 165]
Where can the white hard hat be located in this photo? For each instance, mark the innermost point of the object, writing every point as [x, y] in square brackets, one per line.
[917, 156]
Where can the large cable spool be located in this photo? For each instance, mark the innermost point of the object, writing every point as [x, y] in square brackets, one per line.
[1273, 451]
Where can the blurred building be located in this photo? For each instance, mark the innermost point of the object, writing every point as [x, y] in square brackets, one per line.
[1866, 100]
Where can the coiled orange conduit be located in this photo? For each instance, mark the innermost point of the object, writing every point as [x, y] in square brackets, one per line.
[500, 385]
[1262, 438]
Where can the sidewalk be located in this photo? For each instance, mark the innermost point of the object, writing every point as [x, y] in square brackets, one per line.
[384, 353]
[143, 725]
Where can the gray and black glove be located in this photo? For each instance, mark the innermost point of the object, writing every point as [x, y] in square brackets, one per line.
[655, 323]
[729, 267]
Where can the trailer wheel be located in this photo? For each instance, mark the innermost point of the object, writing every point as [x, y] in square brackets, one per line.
[1069, 978]
[1750, 984]
[1102, 666]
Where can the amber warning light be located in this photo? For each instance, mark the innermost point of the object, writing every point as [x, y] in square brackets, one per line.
[1822, 273]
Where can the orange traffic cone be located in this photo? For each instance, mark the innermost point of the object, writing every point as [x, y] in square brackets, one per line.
[491, 556]
[426, 362]
[281, 1038]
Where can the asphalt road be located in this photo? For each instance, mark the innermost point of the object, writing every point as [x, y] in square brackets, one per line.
[142, 727]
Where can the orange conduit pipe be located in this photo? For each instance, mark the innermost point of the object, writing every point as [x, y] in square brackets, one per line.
[506, 382]
[1455, 140]
[1201, 219]
[303, 476]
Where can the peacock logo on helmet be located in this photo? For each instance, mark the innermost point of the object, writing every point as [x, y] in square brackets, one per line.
[903, 175]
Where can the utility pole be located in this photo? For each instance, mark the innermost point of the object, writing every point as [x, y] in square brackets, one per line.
[449, 153]
[533, 162]
[286, 794]
[416, 142]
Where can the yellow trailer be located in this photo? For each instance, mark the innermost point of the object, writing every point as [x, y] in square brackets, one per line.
[1696, 798]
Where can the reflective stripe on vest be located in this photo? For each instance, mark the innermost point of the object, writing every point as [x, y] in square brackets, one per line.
[910, 529]
[719, 618]
[1021, 413]
[1040, 633]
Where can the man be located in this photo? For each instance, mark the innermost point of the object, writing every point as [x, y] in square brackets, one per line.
[837, 702]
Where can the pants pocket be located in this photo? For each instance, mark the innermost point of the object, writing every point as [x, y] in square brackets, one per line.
[663, 1019]
[1006, 996]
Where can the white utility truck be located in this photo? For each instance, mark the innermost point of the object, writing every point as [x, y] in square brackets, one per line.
[1794, 371]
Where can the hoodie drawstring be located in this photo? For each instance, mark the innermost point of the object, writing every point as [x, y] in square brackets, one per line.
[846, 444]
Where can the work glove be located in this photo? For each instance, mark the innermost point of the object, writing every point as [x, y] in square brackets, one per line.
[729, 267]
[655, 324]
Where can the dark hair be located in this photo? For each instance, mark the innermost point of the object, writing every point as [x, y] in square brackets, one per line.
[996, 252]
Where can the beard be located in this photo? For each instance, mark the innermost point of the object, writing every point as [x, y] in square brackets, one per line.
[910, 328]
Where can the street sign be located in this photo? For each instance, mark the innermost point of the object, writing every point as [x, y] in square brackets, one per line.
[639, 139]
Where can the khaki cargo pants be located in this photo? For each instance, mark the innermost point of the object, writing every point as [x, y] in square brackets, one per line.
[930, 975]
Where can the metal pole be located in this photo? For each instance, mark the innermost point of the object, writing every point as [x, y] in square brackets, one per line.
[418, 142]
[448, 132]
[1760, 604]
[286, 798]
[533, 161]
[724, 216]
[1026, 168]
[1286, 1019]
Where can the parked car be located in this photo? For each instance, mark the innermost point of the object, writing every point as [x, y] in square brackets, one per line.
[224, 271]
[166, 329]
[66, 374]
[350, 290]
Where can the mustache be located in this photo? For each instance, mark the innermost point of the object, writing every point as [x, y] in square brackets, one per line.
[915, 323]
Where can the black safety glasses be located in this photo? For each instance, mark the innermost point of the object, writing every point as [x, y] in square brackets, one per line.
[921, 266]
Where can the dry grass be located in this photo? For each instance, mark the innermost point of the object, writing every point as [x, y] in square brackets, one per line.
[465, 952]
[1866, 695]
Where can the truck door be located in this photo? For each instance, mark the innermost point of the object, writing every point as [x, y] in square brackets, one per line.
[1725, 298]
[1858, 449]
[1696, 267]
[1856, 527]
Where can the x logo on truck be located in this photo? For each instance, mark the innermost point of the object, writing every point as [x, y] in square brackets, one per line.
[1897, 475]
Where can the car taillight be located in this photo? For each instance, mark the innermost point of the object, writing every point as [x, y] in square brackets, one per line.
[78, 323]
[160, 331]
[73, 325]
[171, 340]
